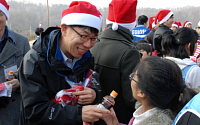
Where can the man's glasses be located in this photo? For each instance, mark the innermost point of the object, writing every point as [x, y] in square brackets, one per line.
[131, 77]
[84, 37]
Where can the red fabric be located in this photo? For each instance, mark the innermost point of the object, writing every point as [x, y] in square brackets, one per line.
[2, 87]
[122, 14]
[81, 7]
[154, 53]
[151, 20]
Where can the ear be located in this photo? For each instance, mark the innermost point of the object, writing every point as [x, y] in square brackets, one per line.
[187, 47]
[141, 94]
[64, 28]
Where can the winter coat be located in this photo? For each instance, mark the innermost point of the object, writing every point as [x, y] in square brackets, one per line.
[160, 117]
[149, 36]
[42, 74]
[10, 53]
[115, 58]
[159, 34]
[190, 114]
[193, 74]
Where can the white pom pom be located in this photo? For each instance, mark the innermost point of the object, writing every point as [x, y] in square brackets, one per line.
[115, 26]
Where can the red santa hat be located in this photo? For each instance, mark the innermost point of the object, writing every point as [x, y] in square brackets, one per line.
[82, 13]
[163, 15]
[4, 7]
[123, 13]
[176, 24]
[151, 22]
[179, 24]
[186, 23]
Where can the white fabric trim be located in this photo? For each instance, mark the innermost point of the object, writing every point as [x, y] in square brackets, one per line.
[82, 19]
[4, 10]
[175, 25]
[141, 36]
[187, 110]
[153, 24]
[188, 23]
[129, 26]
[166, 17]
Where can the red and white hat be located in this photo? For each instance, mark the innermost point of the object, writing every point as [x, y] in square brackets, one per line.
[163, 15]
[152, 22]
[123, 13]
[4, 7]
[82, 13]
[177, 24]
[186, 23]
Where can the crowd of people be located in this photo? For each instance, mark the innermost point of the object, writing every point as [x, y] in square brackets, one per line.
[153, 66]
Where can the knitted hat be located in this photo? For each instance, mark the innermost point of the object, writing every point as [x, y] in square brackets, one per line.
[4, 7]
[186, 23]
[163, 15]
[123, 13]
[82, 13]
[151, 20]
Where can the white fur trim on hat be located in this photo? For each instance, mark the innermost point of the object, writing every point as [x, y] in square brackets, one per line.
[198, 24]
[175, 25]
[153, 24]
[166, 17]
[129, 26]
[4, 10]
[188, 23]
[82, 19]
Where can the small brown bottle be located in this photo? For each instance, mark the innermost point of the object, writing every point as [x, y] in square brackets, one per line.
[10, 76]
[108, 101]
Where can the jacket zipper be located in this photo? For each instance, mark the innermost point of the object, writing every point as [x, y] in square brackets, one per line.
[52, 110]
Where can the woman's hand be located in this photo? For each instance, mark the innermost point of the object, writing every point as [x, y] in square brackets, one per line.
[111, 118]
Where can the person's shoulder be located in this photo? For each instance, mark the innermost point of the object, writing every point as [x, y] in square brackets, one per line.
[160, 117]
[17, 35]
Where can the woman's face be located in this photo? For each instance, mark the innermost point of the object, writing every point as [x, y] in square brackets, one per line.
[134, 85]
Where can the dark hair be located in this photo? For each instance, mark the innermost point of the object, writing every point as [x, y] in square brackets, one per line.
[142, 19]
[161, 80]
[174, 44]
[93, 30]
[143, 41]
[145, 47]
[38, 31]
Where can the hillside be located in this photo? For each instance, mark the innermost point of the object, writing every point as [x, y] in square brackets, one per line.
[25, 17]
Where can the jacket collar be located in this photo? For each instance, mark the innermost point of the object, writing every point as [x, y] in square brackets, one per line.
[122, 34]
[5, 55]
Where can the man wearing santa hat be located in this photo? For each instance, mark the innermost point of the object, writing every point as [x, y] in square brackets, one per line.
[116, 57]
[13, 46]
[187, 24]
[60, 59]
[165, 18]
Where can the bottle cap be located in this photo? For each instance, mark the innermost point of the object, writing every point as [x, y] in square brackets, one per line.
[10, 72]
[113, 93]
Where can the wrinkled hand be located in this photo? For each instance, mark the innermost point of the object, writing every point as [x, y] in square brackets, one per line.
[15, 84]
[91, 113]
[4, 101]
[87, 96]
[111, 118]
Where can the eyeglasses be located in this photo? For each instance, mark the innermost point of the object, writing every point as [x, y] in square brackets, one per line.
[84, 37]
[1, 13]
[131, 77]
